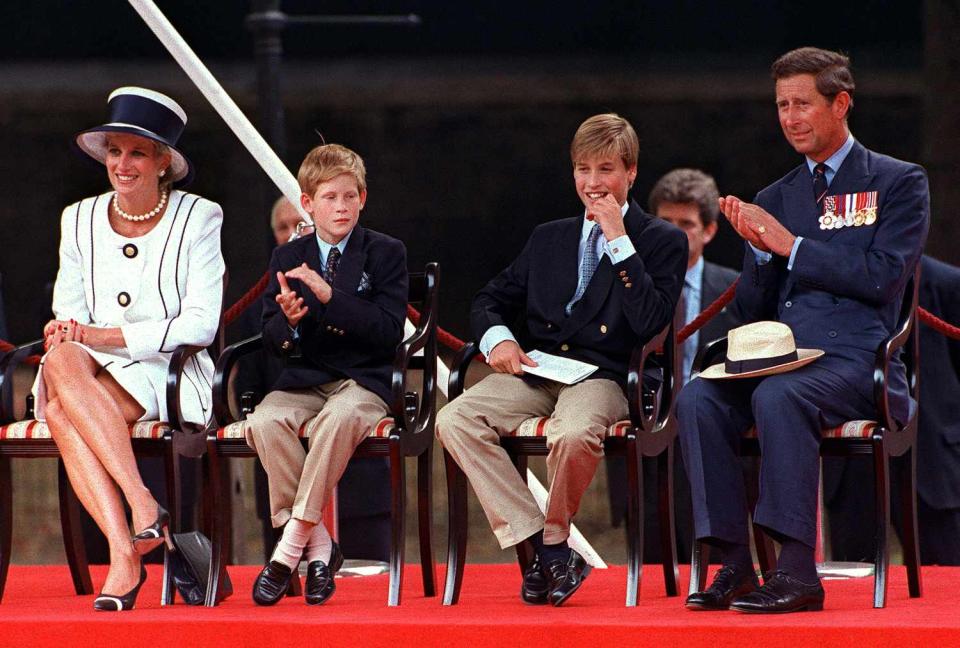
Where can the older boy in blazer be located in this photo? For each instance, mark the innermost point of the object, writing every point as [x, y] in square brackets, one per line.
[591, 288]
[334, 310]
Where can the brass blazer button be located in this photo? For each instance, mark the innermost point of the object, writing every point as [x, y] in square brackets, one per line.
[603, 328]
[123, 299]
[130, 250]
[564, 347]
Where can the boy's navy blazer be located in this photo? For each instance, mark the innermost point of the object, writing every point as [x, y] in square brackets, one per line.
[844, 292]
[624, 305]
[355, 335]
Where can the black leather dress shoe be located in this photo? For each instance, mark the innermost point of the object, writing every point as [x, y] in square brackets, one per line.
[320, 585]
[729, 583]
[536, 587]
[780, 593]
[566, 577]
[271, 583]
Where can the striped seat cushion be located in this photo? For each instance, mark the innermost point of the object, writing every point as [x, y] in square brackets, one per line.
[849, 430]
[383, 429]
[39, 430]
[537, 426]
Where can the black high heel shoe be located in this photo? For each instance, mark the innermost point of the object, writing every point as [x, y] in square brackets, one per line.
[111, 603]
[155, 534]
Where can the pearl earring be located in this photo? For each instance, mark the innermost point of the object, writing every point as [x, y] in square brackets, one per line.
[163, 172]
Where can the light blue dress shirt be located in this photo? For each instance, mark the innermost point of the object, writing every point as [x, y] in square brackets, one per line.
[833, 164]
[618, 250]
[693, 296]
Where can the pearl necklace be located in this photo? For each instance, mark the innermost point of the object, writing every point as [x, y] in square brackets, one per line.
[142, 217]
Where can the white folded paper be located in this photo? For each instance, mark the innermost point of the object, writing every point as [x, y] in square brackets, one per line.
[563, 370]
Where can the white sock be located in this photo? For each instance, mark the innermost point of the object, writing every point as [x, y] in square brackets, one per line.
[320, 545]
[289, 550]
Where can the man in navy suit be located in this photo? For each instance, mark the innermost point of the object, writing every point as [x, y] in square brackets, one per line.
[589, 288]
[830, 248]
[334, 309]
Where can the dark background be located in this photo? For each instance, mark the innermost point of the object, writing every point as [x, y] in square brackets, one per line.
[464, 121]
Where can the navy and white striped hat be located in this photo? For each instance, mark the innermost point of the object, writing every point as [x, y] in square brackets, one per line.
[146, 113]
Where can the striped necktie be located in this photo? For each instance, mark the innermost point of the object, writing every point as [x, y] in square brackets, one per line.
[820, 184]
[588, 267]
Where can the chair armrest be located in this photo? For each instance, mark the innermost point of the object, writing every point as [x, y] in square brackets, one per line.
[8, 366]
[414, 411]
[221, 375]
[905, 335]
[178, 360]
[646, 412]
[458, 369]
[710, 354]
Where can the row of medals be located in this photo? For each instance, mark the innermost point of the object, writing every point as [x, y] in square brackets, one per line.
[867, 216]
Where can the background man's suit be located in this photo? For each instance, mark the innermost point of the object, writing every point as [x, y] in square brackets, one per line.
[850, 503]
[624, 304]
[716, 278]
[842, 295]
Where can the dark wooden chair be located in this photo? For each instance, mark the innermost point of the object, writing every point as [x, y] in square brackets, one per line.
[28, 438]
[406, 432]
[882, 438]
[652, 383]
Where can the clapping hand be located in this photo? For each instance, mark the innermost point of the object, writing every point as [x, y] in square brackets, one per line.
[290, 303]
[317, 284]
[757, 226]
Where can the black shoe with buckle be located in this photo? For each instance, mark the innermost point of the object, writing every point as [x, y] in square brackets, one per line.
[320, 585]
[536, 588]
[781, 593]
[566, 577]
[730, 582]
[272, 583]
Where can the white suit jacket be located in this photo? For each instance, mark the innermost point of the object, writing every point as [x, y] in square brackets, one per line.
[174, 290]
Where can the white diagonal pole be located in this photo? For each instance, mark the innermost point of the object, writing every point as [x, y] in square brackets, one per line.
[221, 102]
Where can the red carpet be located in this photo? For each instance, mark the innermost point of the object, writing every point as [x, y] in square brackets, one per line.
[40, 609]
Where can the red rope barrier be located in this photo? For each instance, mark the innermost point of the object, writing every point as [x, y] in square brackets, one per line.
[248, 298]
[451, 341]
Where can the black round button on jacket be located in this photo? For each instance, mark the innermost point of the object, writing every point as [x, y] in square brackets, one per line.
[123, 299]
[130, 250]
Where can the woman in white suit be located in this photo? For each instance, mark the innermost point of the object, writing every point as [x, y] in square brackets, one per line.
[140, 274]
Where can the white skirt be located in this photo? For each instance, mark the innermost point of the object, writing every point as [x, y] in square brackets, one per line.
[128, 373]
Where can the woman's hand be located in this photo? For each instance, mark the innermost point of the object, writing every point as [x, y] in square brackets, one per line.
[57, 332]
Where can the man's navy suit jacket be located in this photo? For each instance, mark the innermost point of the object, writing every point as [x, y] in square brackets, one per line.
[844, 292]
[354, 335]
[616, 313]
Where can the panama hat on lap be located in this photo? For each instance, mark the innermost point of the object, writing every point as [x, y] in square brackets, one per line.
[760, 349]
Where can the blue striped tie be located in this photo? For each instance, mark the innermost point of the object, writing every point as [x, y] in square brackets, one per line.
[588, 267]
